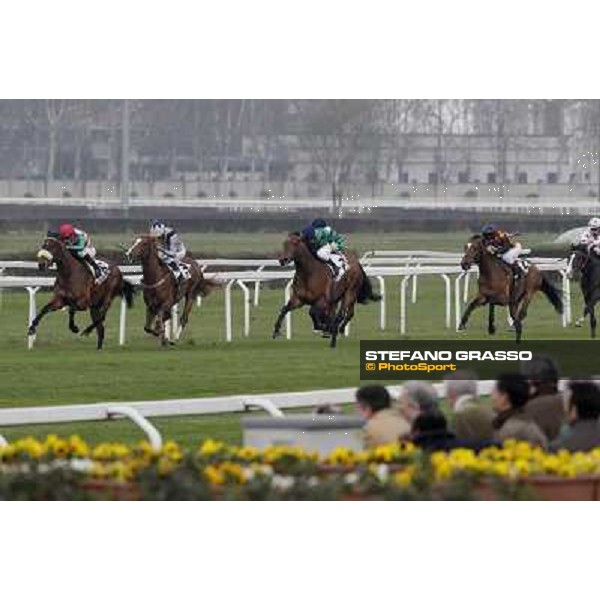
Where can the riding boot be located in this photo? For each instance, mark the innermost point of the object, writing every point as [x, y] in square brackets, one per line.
[518, 269]
[334, 268]
[97, 270]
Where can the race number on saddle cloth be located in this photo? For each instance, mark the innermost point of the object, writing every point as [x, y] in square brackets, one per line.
[79, 243]
[501, 244]
[171, 250]
[328, 245]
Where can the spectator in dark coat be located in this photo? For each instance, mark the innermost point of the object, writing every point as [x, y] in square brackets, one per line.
[511, 422]
[584, 412]
[546, 405]
[430, 432]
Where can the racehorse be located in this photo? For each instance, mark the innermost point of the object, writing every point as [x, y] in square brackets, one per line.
[586, 264]
[75, 288]
[497, 287]
[161, 290]
[331, 304]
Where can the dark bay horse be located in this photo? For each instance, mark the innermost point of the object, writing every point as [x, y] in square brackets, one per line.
[586, 266]
[76, 289]
[331, 304]
[161, 291]
[498, 288]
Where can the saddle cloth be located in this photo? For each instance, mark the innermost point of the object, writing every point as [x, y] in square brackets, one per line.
[104, 270]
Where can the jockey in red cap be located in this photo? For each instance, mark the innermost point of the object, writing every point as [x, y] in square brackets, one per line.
[78, 242]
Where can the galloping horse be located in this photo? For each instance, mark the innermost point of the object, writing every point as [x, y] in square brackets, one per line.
[331, 304]
[587, 265]
[161, 291]
[497, 287]
[75, 288]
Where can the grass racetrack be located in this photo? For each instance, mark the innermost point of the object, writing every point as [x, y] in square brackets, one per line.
[64, 368]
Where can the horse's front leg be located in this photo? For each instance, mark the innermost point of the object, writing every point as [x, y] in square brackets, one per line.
[55, 304]
[491, 324]
[72, 325]
[591, 311]
[151, 325]
[476, 303]
[292, 304]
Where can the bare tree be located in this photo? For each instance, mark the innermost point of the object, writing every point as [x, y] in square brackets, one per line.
[333, 132]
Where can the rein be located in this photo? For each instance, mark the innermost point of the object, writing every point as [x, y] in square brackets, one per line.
[153, 286]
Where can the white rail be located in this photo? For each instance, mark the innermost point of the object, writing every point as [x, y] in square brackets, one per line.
[140, 412]
[407, 272]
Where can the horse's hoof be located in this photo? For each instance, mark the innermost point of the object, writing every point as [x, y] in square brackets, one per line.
[276, 334]
[492, 331]
[74, 330]
[31, 331]
[461, 327]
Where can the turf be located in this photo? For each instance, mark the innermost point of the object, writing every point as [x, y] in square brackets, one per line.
[64, 368]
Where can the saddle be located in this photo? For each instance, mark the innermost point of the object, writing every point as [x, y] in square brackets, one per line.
[104, 270]
[184, 270]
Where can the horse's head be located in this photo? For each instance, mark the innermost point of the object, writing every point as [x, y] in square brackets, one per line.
[141, 248]
[291, 247]
[578, 261]
[51, 250]
[473, 251]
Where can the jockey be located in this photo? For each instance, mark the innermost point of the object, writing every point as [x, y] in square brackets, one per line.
[328, 245]
[500, 243]
[171, 251]
[79, 243]
[591, 236]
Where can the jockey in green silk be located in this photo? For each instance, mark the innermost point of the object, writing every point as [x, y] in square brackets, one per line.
[328, 245]
[79, 243]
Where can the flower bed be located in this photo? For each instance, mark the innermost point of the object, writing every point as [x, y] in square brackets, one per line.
[68, 468]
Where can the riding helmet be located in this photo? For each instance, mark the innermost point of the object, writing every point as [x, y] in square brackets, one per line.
[66, 231]
[319, 223]
[489, 229]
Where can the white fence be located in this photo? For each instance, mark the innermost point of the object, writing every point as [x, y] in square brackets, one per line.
[140, 412]
[409, 266]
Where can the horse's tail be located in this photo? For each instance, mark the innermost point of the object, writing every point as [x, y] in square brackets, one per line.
[365, 292]
[206, 286]
[127, 291]
[553, 295]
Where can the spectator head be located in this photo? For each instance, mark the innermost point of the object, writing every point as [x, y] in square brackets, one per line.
[417, 397]
[370, 399]
[511, 391]
[542, 373]
[460, 383]
[428, 422]
[584, 401]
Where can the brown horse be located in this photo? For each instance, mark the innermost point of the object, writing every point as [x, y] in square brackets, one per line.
[161, 291]
[497, 287]
[585, 266]
[76, 289]
[331, 304]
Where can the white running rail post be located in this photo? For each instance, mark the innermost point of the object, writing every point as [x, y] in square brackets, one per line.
[32, 291]
[228, 325]
[382, 301]
[246, 307]
[151, 432]
[122, 322]
[288, 317]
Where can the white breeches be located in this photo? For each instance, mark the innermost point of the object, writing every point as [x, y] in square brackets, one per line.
[512, 255]
[327, 253]
[89, 251]
[177, 255]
